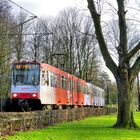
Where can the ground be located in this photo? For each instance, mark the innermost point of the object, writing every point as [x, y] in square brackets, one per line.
[98, 128]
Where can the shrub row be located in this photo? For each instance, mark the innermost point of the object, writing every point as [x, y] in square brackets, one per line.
[12, 122]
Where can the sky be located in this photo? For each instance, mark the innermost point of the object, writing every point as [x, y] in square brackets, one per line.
[49, 7]
[43, 8]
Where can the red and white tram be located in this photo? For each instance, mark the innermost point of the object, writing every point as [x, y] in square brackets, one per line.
[35, 85]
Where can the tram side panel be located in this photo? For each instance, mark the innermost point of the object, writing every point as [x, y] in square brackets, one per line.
[87, 94]
[61, 91]
[55, 93]
[99, 97]
[47, 91]
[92, 95]
[81, 92]
[74, 90]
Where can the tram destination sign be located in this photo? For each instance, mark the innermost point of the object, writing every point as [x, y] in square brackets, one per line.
[26, 66]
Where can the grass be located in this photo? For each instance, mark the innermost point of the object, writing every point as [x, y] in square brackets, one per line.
[95, 128]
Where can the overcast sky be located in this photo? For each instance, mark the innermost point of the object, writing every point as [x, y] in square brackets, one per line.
[52, 7]
[49, 7]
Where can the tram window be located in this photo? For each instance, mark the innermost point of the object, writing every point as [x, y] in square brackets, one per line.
[85, 89]
[43, 74]
[79, 87]
[47, 77]
[92, 92]
[88, 90]
[69, 85]
[82, 88]
[63, 82]
[43, 78]
[95, 92]
[53, 79]
[58, 81]
[73, 85]
[26, 74]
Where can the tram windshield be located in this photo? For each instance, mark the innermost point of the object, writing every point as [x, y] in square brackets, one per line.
[26, 74]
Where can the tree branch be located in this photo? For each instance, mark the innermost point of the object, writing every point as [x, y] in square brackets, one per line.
[135, 69]
[133, 51]
[102, 44]
[122, 27]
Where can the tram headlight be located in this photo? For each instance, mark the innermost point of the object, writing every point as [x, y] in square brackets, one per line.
[14, 95]
[34, 95]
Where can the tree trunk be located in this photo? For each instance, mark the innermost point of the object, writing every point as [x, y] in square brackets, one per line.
[138, 89]
[125, 117]
[124, 73]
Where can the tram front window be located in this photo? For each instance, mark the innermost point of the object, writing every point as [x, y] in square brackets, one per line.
[26, 74]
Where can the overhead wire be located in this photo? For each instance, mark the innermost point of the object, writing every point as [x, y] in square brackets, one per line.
[34, 16]
[22, 7]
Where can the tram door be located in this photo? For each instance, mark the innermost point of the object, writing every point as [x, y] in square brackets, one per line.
[70, 92]
[69, 96]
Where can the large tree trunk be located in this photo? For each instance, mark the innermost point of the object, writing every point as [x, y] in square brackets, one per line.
[124, 73]
[138, 90]
[125, 117]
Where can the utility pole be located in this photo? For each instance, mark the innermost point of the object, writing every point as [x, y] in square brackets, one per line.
[71, 62]
[35, 47]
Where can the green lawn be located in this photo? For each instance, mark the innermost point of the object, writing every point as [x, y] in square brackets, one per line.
[95, 128]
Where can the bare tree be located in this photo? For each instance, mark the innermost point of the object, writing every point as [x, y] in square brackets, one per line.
[124, 73]
[18, 41]
[75, 39]
[6, 23]
[35, 42]
[71, 46]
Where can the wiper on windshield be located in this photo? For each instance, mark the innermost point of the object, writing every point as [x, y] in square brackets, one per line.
[15, 83]
[34, 84]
